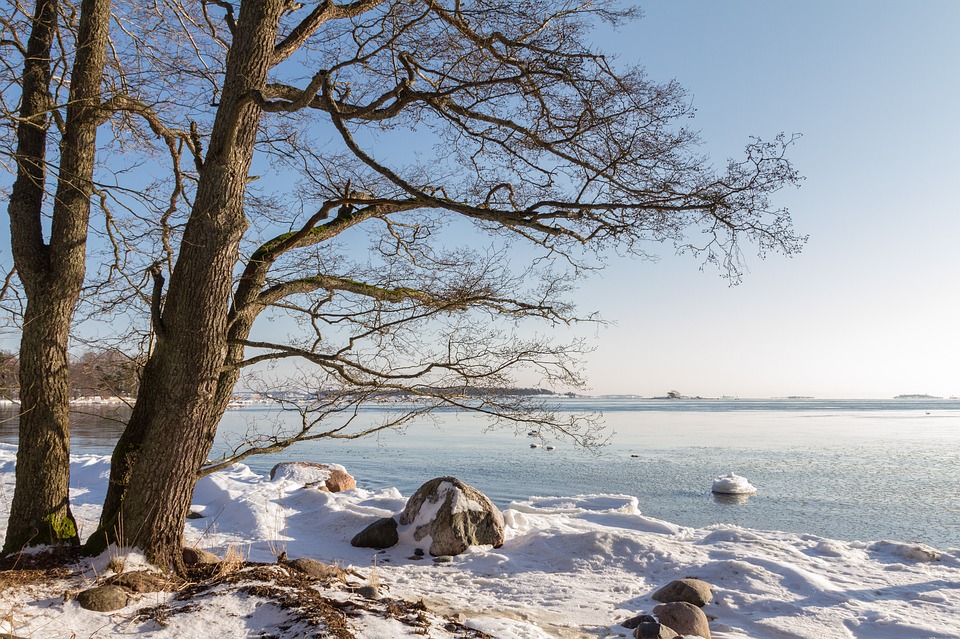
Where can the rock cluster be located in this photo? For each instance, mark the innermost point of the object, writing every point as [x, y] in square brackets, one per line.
[679, 613]
[445, 513]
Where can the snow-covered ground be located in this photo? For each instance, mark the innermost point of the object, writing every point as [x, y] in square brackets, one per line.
[570, 567]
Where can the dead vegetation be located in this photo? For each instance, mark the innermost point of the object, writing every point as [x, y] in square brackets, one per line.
[325, 604]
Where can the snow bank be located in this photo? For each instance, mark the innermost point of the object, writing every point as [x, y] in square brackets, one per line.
[570, 567]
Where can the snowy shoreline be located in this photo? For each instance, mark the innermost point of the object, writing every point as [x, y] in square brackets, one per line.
[570, 567]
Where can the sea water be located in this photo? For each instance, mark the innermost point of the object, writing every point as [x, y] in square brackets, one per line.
[865, 470]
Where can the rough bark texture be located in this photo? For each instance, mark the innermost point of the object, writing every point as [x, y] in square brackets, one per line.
[174, 421]
[52, 274]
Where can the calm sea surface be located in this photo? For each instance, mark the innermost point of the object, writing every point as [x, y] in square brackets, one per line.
[865, 470]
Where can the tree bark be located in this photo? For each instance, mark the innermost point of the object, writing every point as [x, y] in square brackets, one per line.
[173, 424]
[52, 274]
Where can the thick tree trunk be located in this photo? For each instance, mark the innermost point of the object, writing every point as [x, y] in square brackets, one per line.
[180, 401]
[39, 512]
[52, 274]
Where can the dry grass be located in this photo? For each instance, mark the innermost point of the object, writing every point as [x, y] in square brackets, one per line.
[233, 561]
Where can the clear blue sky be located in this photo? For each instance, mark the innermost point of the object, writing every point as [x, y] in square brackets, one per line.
[870, 308]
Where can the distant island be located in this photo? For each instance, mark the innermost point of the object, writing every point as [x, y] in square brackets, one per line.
[678, 395]
[917, 396]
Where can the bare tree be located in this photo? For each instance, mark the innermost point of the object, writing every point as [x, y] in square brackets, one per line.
[433, 177]
[534, 138]
[51, 269]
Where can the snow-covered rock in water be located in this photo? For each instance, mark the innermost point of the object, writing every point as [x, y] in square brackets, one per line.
[332, 477]
[733, 484]
[454, 516]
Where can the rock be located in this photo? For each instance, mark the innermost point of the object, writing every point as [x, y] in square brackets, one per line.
[315, 569]
[694, 591]
[194, 515]
[103, 598]
[368, 592]
[332, 477]
[653, 630]
[454, 515]
[195, 556]
[684, 618]
[380, 534]
[633, 622]
[443, 559]
[141, 581]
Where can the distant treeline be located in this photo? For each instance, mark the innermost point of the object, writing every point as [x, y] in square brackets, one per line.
[103, 372]
[114, 373]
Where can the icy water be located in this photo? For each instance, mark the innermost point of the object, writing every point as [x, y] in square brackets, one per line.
[865, 470]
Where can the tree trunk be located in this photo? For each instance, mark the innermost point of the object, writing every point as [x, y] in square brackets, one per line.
[39, 512]
[179, 405]
[52, 274]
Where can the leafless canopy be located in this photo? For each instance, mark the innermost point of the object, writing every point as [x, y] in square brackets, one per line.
[432, 177]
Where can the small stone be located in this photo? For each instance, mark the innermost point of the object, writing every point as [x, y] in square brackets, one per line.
[443, 559]
[103, 598]
[415, 557]
[653, 631]
[368, 592]
[380, 534]
[684, 618]
[141, 581]
[633, 622]
[418, 552]
[195, 556]
[194, 515]
[694, 591]
[315, 569]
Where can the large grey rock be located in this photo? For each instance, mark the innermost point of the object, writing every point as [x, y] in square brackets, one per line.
[694, 591]
[684, 618]
[454, 516]
[103, 598]
[331, 477]
[380, 534]
[653, 631]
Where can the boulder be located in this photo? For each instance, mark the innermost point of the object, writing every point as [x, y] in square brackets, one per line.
[195, 556]
[380, 534]
[331, 477]
[633, 622]
[684, 618]
[103, 598]
[653, 630]
[141, 581]
[454, 516]
[694, 591]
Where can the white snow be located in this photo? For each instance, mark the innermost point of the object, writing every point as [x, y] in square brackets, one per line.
[733, 484]
[570, 568]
